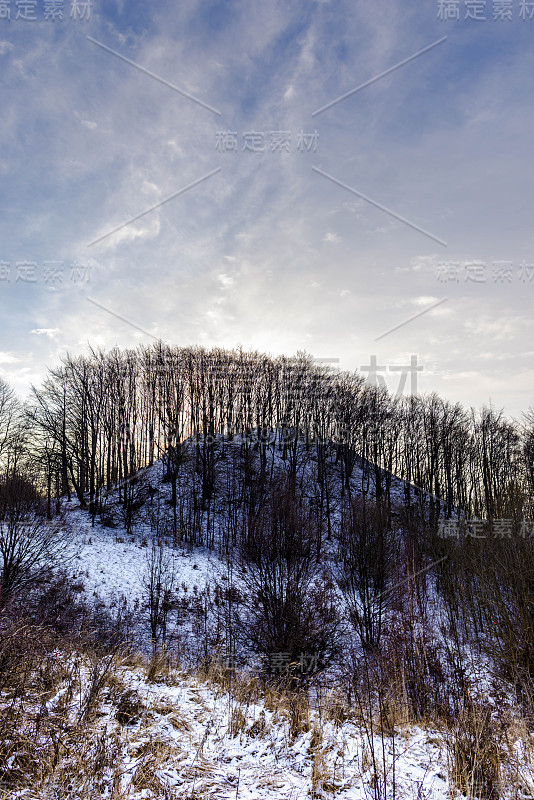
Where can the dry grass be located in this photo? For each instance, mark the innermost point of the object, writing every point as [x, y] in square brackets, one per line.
[159, 668]
[130, 708]
[238, 720]
[475, 754]
[63, 745]
[47, 734]
[145, 777]
[259, 727]
[336, 711]
[299, 714]
[170, 713]
[322, 779]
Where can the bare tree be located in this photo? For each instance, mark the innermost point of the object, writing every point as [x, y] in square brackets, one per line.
[289, 607]
[158, 581]
[106, 415]
[9, 408]
[30, 545]
[365, 568]
[528, 453]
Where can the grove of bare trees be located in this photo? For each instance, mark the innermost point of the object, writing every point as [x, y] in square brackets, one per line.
[99, 418]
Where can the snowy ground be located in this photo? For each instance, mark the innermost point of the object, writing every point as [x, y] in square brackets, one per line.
[190, 739]
[198, 740]
[110, 563]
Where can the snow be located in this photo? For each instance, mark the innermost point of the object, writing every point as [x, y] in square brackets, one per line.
[199, 754]
[113, 570]
[189, 727]
[110, 562]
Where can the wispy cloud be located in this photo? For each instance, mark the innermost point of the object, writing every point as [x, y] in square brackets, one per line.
[266, 253]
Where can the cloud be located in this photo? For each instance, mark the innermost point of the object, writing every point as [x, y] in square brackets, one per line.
[331, 237]
[50, 332]
[9, 358]
[90, 142]
[425, 301]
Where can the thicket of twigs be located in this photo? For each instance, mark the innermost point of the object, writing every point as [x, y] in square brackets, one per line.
[430, 622]
[378, 618]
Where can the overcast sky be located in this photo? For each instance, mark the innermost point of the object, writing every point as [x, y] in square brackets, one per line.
[118, 106]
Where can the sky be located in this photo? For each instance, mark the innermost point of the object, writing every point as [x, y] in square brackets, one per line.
[348, 179]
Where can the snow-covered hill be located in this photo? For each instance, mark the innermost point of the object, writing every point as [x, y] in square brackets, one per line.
[158, 729]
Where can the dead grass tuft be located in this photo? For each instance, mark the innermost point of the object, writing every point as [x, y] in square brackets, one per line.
[258, 727]
[130, 708]
[475, 754]
[238, 721]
